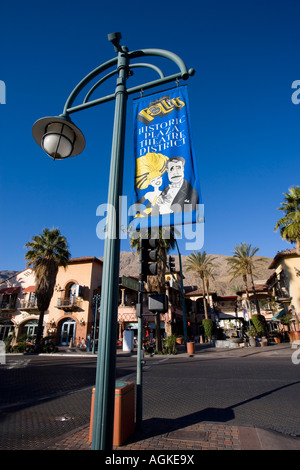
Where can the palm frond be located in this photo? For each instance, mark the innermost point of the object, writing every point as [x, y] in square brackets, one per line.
[289, 225]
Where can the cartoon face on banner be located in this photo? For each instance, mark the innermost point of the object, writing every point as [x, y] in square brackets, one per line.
[166, 181]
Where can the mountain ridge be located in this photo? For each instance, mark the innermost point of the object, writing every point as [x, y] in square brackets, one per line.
[222, 282]
[6, 274]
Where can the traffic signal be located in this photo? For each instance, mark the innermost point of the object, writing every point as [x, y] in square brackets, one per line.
[171, 264]
[148, 257]
[158, 303]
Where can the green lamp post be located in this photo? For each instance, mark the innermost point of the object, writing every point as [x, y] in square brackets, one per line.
[60, 139]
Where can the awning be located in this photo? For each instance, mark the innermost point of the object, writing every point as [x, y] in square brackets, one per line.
[28, 289]
[225, 316]
[278, 315]
[10, 290]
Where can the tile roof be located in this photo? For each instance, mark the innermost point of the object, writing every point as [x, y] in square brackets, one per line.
[85, 259]
[282, 254]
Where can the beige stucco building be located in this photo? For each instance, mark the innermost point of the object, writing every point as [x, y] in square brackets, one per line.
[70, 314]
[285, 280]
[18, 308]
[69, 317]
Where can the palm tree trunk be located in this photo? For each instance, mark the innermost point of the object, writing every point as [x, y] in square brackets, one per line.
[39, 332]
[254, 294]
[207, 293]
[248, 296]
[204, 299]
[298, 246]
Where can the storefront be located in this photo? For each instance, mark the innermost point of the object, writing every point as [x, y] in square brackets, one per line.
[67, 332]
[149, 329]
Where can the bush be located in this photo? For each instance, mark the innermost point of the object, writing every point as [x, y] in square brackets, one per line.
[259, 323]
[170, 345]
[285, 319]
[8, 341]
[208, 326]
[251, 331]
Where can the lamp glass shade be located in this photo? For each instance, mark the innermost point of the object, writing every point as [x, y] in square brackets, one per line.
[58, 140]
[58, 136]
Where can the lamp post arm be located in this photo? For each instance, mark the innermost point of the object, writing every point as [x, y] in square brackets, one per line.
[102, 80]
[86, 80]
[149, 66]
[167, 55]
[183, 74]
[114, 72]
[130, 91]
[154, 83]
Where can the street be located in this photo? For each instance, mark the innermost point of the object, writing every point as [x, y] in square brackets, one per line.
[248, 387]
[45, 397]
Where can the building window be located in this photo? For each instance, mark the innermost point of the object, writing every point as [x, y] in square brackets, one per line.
[9, 301]
[6, 328]
[29, 329]
[71, 293]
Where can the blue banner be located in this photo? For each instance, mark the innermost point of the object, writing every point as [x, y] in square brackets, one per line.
[166, 188]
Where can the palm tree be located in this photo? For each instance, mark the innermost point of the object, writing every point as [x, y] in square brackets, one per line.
[209, 274]
[166, 241]
[46, 253]
[289, 225]
[243, 264]
[201, 264]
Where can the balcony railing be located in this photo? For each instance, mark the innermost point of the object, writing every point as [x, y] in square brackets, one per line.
[8, 305]
[73, 303]
[28, 304]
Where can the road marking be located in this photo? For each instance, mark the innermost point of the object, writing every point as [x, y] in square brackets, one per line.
[20, 364]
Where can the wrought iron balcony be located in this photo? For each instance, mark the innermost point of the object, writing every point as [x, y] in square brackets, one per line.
[28, 305]
[69, 304]
[8, 305]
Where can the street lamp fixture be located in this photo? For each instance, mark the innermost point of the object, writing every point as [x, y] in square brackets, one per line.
[60, 139]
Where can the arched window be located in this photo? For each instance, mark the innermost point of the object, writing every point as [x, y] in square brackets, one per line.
[6, 328]
[29, 328]
[71, 293]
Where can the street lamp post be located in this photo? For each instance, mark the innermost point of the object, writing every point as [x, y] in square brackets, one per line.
[60, 139]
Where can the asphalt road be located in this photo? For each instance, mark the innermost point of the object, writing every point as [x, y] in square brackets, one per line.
[43, 398]
[252, 390]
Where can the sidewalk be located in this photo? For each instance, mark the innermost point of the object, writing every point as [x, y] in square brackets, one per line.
[200, 436]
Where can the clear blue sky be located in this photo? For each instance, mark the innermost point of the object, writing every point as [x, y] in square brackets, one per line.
[246, 130]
